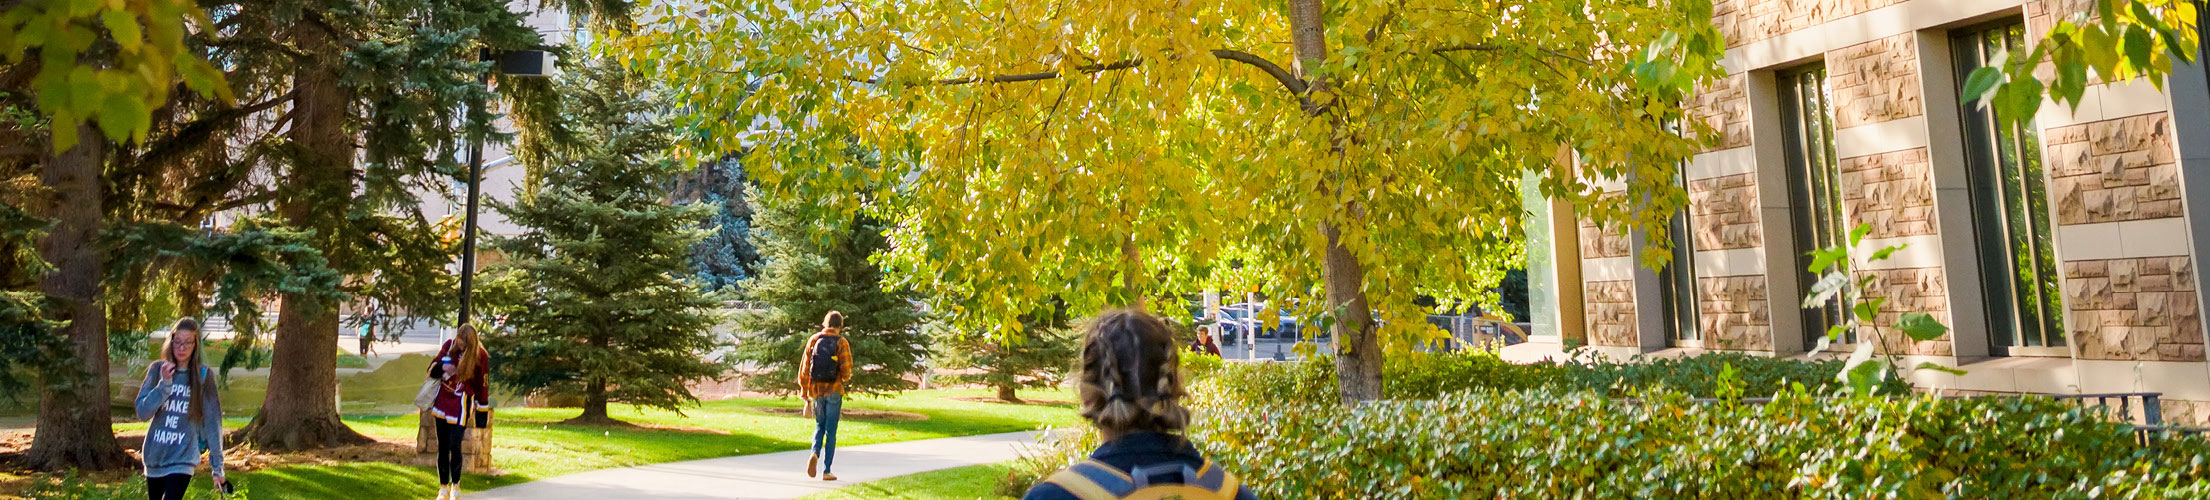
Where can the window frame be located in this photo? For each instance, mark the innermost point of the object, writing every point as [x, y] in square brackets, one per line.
[2010, 331]
[1817, 219]
[1677, 293]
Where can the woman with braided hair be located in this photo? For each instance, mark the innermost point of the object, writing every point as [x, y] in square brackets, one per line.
[1131, 388]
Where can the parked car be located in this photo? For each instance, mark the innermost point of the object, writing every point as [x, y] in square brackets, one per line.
[1234, 321]
[1285, 325]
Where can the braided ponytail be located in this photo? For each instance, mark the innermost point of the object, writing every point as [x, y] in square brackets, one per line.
[1131, 374]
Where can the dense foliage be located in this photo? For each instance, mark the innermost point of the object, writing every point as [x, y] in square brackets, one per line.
[726, 257]
[812, 266]
[1044, 358]
[1419, 376]
[605, 313]
[1471, 426]
[1548, 444]
[1115, 153]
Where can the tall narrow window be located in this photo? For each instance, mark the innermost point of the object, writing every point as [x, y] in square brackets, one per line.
[2010, 209]
[1679, 277]
[1815, 190]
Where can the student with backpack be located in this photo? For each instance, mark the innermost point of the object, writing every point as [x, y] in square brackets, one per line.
[1131, 388]
[183, 415]
[822, 373]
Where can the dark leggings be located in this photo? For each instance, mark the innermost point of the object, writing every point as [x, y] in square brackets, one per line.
[448, 452]
[169, 487]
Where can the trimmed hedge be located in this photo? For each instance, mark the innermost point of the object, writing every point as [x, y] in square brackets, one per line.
[1430, 375]
[1552, 444]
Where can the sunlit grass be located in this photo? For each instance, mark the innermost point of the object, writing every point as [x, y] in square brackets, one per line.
[960, 483]
[530, 444]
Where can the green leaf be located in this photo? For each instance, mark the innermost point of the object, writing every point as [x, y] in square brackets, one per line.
[1861, 372]
[1857, 234]
[124, 28]
[1979, 89]
[1883, 253]
[1921, 326]
[1940, 368]
[1821, 260]
[2138, 47]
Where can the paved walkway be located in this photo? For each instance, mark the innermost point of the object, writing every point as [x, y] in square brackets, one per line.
[767, 476]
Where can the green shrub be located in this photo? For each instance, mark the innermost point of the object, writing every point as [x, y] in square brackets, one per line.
[1196, 367]
[1055, 449]
[1240, 384]
[1421, 375]
[1699, 375]
[1552, 444]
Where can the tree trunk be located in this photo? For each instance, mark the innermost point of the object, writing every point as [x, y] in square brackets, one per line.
[301, 409]
[1358, 355]
[1131, 279]
[1008, 394]
[594, 405]
[74, 430]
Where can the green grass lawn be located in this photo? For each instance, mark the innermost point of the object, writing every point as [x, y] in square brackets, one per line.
[959, 483]
[531, 445]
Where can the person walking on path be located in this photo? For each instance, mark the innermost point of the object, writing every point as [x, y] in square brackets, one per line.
[1131, 388]
[184, 416]
[822, 373]
[462, 368]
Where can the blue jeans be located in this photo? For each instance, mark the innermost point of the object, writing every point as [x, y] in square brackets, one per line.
[827, 409]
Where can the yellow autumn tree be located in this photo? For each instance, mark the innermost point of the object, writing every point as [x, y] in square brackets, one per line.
[1350, 156]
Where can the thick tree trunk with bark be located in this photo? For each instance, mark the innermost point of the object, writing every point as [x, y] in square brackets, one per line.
[74, 429]
[1009, 394]
[301, 409]
[1358, 354]
[595, 398]
[594, 405]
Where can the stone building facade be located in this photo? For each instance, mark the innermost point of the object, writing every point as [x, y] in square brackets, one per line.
[2097, 194]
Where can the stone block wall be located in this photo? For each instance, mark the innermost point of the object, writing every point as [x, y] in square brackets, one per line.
[1734, 314]
[1875, 82]
[1908, 290]
[1892, 191]
[1722, 212]
[1599, 243]
[2186, 413]
[1747, 21]
[1611, 316]
[2114, 170]
[2134, 309]
[1724, 105]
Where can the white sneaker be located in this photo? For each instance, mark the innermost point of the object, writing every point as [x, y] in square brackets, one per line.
[444, 493]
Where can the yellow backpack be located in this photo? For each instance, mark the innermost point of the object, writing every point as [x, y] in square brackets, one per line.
[1094, 480]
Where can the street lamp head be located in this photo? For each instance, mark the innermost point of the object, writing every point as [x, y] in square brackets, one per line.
[522, 63]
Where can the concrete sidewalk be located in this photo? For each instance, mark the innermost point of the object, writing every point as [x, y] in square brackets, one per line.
[767, 476]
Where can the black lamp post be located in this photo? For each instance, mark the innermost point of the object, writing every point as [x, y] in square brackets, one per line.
[522, 63]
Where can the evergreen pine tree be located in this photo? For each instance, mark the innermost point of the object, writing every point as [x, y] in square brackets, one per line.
[1041, 358]
[726, 257]
[810, 267]
[601, 258]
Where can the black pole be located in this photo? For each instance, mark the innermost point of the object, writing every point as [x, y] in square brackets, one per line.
[468, 231]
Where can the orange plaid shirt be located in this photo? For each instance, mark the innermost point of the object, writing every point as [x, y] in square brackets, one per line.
[811, 388]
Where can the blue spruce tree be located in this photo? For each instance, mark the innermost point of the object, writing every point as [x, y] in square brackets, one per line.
[726, 257]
